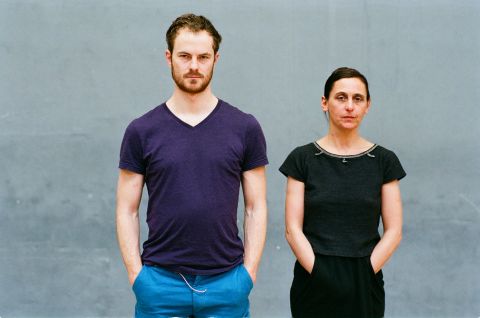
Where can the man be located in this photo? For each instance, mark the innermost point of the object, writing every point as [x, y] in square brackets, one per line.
[192, 152]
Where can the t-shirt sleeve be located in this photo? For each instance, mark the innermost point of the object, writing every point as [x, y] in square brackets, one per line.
[294, 166]
[255, 146]
[393, 169]
[131, 151]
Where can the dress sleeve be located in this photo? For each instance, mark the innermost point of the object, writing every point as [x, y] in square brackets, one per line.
[392, 168]
[294, 165]
[131, 151]
[255, 154]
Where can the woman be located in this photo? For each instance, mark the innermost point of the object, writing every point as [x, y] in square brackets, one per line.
[337, 189]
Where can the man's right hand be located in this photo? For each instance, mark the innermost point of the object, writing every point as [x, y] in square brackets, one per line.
[132, 276]
[129, 194]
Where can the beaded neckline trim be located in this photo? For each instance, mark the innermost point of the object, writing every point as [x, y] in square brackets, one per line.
[366, 152]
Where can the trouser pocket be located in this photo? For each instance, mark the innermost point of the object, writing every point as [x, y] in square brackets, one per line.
[140, 285]
[138, 278]
[247, 279]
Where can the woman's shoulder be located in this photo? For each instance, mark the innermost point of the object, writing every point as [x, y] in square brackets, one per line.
[304, 149]
[386, 156]
[393, 168]
[383, 150]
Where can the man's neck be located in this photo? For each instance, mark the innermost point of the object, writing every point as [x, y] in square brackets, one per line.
[184, 103]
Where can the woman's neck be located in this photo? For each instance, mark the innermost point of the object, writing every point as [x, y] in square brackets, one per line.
[345, 143]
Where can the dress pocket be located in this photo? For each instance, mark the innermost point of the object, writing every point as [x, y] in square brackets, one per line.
[370, 267]
[377, 277]
[316, 263]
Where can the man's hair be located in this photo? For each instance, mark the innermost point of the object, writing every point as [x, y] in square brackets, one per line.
[194, 23]
[344, 72]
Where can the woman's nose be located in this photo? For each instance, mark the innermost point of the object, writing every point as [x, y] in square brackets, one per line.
[349, 104]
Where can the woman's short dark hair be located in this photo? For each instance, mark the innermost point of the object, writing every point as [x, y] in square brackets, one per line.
[343, 72]
[194, 23]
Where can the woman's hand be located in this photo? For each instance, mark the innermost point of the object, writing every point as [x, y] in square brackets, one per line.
[392, 225]
[294, 224]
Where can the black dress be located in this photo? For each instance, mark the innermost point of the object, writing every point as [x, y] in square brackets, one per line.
[342, 212]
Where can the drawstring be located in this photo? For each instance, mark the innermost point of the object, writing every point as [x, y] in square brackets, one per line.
[195, 290]
[370, 155]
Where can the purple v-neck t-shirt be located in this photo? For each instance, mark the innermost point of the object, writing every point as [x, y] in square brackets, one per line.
[193, 176]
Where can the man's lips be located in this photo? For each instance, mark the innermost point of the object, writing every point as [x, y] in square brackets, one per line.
[193, 76]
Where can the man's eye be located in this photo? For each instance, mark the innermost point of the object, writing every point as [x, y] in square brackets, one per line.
[341, 98]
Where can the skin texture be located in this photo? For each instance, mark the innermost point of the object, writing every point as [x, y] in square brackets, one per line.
[129, 194]
[255, 219]
[346, 106]
[192, 63]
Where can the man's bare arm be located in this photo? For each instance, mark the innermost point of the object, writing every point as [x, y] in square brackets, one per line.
[255, 222]
[129, 194]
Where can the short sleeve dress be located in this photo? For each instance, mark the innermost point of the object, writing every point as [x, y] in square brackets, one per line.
[342, 211]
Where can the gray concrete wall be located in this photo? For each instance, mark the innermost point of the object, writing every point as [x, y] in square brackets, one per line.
[74, 73]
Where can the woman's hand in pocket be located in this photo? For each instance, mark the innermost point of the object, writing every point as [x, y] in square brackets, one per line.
[374, 266]
[308, 263]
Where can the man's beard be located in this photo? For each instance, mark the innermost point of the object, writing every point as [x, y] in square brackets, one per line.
[180, 80]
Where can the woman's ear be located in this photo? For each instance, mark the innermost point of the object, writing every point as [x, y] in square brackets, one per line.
[324, 104]
[368, 106]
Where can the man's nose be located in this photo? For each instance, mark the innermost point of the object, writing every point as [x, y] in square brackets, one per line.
[194, 63]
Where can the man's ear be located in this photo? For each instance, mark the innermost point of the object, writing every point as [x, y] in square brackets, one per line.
[168, 57]
[216, 57]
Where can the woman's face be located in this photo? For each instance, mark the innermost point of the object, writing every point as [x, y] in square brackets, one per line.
[347, 103]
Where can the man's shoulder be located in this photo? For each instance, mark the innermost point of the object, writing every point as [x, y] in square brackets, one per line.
[237, 114]
[148, 119]
[150, 115]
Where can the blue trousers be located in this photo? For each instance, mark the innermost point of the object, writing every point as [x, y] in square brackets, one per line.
[162, 293]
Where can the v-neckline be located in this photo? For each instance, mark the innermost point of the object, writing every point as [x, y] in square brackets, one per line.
[201, 123]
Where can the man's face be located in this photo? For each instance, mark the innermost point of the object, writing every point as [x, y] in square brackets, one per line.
[192, 61]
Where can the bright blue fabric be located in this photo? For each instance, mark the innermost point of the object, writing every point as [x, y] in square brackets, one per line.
[161, 293]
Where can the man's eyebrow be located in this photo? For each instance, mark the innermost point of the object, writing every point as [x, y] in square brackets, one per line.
[201, 54]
